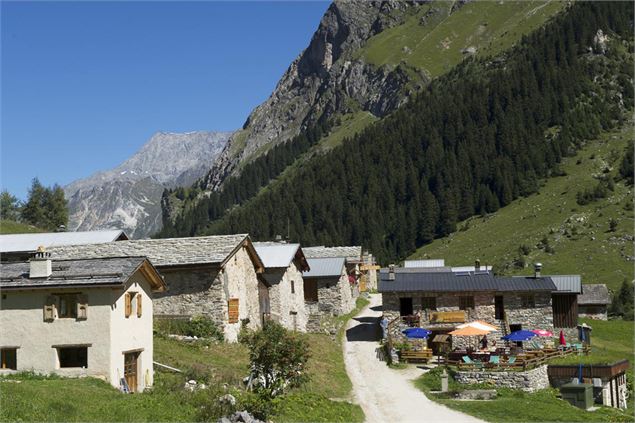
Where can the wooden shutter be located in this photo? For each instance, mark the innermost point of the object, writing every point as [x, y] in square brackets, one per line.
[82, 307]
[128, 307]
[139, 305]
[49, 309]
[233, 310]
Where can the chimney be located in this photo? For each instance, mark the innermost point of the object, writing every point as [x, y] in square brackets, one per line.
[40, 264]
[391, 272]
[280, 240]
[537, 269]
[477, 265]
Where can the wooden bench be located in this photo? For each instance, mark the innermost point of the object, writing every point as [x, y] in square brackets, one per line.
[416, 356]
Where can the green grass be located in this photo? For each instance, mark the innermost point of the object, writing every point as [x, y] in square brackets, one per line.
[351, 125]
[437, 45]
[11, 227]
[578, 234]
[517, 406]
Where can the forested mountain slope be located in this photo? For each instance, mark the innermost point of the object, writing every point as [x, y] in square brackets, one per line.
[364, 61]
[475, 139]
[594, 239]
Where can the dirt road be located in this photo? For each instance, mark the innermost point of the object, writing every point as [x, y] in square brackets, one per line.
[385, 394]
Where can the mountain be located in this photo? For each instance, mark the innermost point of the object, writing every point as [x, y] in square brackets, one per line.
[129, 196]
[477, 137]
[552, 228]
[365, 60]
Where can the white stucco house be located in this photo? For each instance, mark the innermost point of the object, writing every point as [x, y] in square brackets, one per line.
[89, 317]
[284, 264]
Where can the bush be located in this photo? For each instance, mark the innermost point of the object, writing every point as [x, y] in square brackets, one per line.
[623, 302]
[199, 326]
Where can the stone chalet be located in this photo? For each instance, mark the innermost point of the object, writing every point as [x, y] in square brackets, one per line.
[90, 317]
[593, 301]
[20, 247]
[441, 300]
[284, 264]
[360, 266]
[214, 276]
[327, 289]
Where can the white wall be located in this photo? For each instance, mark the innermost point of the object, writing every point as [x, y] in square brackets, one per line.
[132, 333]
[22, 324]
[284, 302]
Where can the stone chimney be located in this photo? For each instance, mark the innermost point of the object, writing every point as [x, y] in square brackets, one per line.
[391, 272]
[477, 265]
[537, 269]
[40, 264]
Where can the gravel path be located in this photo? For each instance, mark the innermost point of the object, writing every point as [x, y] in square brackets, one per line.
[385, 394]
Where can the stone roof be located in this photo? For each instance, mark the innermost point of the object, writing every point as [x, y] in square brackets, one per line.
[164, 252]
[75, 273]
[350, 253]
[31, 242]
[276, 254]
[594, 294]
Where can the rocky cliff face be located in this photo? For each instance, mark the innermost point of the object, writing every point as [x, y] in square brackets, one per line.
[325, 80]
[128, 197]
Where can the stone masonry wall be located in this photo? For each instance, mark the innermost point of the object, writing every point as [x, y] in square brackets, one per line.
[529, 381]
[287, 308]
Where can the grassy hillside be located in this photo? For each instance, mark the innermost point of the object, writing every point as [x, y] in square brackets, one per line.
[11, 227]
[578, 237]
[435, 40]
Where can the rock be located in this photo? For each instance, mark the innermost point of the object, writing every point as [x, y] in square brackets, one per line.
[228, 399]
[223, 420]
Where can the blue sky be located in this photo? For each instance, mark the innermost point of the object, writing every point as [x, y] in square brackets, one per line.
[84, 85]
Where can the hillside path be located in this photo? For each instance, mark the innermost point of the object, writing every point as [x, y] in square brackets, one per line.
[385, 394]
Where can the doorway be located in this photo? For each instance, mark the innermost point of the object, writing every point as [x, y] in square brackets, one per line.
[499, 307]
[131, 370]
[405, 306]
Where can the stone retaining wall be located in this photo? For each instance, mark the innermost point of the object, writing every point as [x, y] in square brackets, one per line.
[529, 381]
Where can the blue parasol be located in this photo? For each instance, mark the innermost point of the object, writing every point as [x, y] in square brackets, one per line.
[519, 335]
[420, 333]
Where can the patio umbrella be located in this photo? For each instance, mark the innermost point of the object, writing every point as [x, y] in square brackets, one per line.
[562, 340]
[519, 335]
[479, 325]
[542, 332]
[419, 333]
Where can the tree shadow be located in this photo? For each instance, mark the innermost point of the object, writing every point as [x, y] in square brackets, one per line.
[377, 308]
[367, 319]
[367, 331]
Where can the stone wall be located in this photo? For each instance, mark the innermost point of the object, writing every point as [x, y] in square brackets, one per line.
[593, 312]
[287, 307]
[529, 381]
[206, 291]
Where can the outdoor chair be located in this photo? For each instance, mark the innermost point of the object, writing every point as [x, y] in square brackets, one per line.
[475, 363]
[535, 345]
[494, 360]
[511, 360]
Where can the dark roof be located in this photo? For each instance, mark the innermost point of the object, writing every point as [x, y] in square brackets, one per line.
[594, 294]
[86, 272]
[459, 282]
[31, 242]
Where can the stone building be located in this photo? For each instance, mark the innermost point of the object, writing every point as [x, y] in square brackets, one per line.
[90, 317]
[284, 264]
[214, 276]
[442, 300]
[360, 266]
[20, 247]
[593, 301]
[327, 288]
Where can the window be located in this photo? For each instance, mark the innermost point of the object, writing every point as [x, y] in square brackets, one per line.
[429, 303]
[528, 301]
[466, 302]
[9, 358]
[292, 287]
[67, 306]
[73, 356]
[233, 310]
[133, 304]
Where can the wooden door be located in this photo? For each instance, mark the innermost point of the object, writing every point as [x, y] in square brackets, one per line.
[131, 370]
[499, 308]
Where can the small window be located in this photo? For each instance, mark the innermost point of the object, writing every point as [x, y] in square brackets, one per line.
[233, 310]
[67, 306]
[429, 303]
[292, 287]
[466, 302]
[528, 301]
[133, 304]
[73, 357]
[9, 358]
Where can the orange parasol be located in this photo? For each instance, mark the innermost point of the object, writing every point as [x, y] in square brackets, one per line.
[469, 331]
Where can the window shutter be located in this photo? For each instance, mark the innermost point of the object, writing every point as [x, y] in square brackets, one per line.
[139, 305]
[233, 310]
[82, 307]
[128, 304]
[49, 309]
